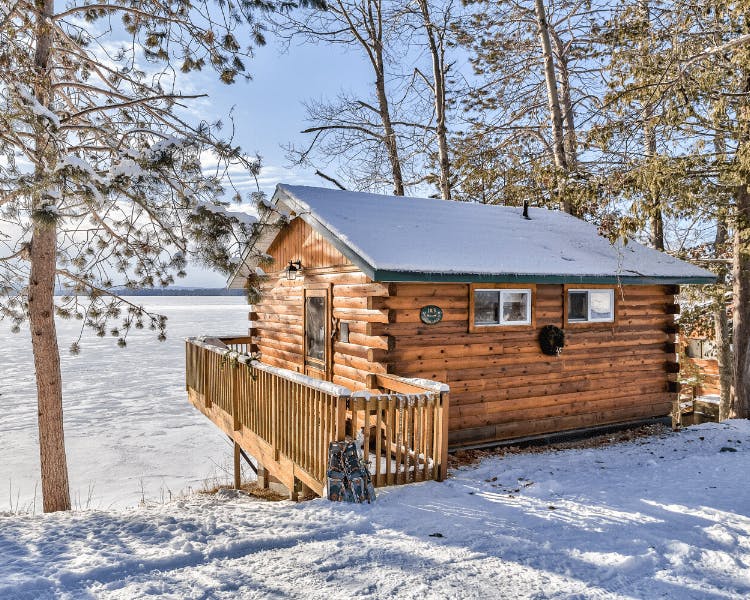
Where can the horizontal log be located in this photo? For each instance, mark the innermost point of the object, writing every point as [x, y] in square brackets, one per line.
[362, 315]
[363, 289]
[660, 405]
[432, 289]
[350, 349]
[277, 309]
[341, 277]
[417, 302]
[269, 328]
[293, 360]
[294, 347]
[347, 302]
[414, 329]
[450, 315]
[371, 341]
[349, 383]
[264, 318]
[349, 372]
[542, 406]
[486, 387]
[433, 338]
[545, 388]
[511, 358]
[587, 414]
[357, 363]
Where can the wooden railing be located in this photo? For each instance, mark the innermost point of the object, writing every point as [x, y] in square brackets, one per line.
[282, 418]
[287, 420]
[404, 429]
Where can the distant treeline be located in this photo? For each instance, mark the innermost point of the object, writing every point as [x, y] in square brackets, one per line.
[176, 291]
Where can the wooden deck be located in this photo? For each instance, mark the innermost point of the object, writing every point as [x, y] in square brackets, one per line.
[286, 420]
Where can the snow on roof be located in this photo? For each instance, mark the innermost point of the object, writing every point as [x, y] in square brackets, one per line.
[395, 236]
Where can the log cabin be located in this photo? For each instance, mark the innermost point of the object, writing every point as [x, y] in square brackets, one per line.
[432, 324]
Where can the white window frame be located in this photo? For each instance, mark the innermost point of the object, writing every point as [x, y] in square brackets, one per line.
[501, 292]
[588, 291]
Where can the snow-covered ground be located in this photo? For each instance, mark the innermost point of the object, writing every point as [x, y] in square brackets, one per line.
[129, 430]
[660, 517]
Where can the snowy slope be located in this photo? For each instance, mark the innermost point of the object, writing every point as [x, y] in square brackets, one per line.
[394, 233]
[665, 517]
[130, 433]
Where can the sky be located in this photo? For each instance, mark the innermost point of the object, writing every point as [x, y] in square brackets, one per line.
[269, 112]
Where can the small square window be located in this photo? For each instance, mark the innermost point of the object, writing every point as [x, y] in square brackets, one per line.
[502, 307]
[591, 306]
[515, 307]
[486, 307]
[578, 306]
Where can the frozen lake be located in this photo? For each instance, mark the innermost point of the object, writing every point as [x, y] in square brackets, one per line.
[130, 433]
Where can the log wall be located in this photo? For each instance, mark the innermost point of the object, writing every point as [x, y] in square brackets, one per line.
[277, 320]
[502, 385]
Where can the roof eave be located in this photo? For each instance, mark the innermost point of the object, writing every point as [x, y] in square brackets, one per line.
[421, 276]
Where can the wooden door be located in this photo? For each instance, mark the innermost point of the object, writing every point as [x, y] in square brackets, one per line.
[317, 328]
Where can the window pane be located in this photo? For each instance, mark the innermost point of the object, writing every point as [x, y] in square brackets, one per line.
[315, 328]
[515, 307]
[601, 305]
[578, 306]
[486, 307]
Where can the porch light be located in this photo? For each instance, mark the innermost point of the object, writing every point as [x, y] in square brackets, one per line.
[294, 267]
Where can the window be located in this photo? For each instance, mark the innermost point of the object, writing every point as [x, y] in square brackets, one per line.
[502, 307]
[591, 306]
[315, 328]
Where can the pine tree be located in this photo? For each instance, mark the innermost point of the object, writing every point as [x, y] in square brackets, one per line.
[102, 175]
[692, 85]
[537, 73]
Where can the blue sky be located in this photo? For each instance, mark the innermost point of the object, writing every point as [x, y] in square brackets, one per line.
[269, 113]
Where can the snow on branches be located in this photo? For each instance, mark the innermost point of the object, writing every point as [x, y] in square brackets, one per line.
[96, 143]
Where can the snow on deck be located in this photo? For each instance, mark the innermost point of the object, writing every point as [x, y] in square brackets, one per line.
[394, 233]
[663, 517]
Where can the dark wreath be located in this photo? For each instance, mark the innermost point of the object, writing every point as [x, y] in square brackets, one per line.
[551, 340]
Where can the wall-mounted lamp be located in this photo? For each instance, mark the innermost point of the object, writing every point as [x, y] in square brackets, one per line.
[294, 267]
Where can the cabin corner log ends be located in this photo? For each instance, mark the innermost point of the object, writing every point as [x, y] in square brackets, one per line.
[287, 420]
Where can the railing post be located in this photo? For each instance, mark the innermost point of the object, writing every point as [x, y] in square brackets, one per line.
[236, 397]
[274, 417]
[340, 418]
[445, 407]
[237, 467]
[205, 354]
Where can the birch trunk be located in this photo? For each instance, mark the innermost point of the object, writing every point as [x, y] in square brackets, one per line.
[570, 139]
[375, 19]
[721, 321]
[553, 99]
[655, 217]
[438, 90]
[740, 403]
[43, 257]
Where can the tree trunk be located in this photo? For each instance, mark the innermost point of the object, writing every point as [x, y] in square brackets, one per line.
[655, 217]
[391, 143]
[721, 326]
[553, 100]
[721, 322]
[438, 90]
[43, 257]
[740, 405]
[568, 117]
[724, 358]
[55, 492]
